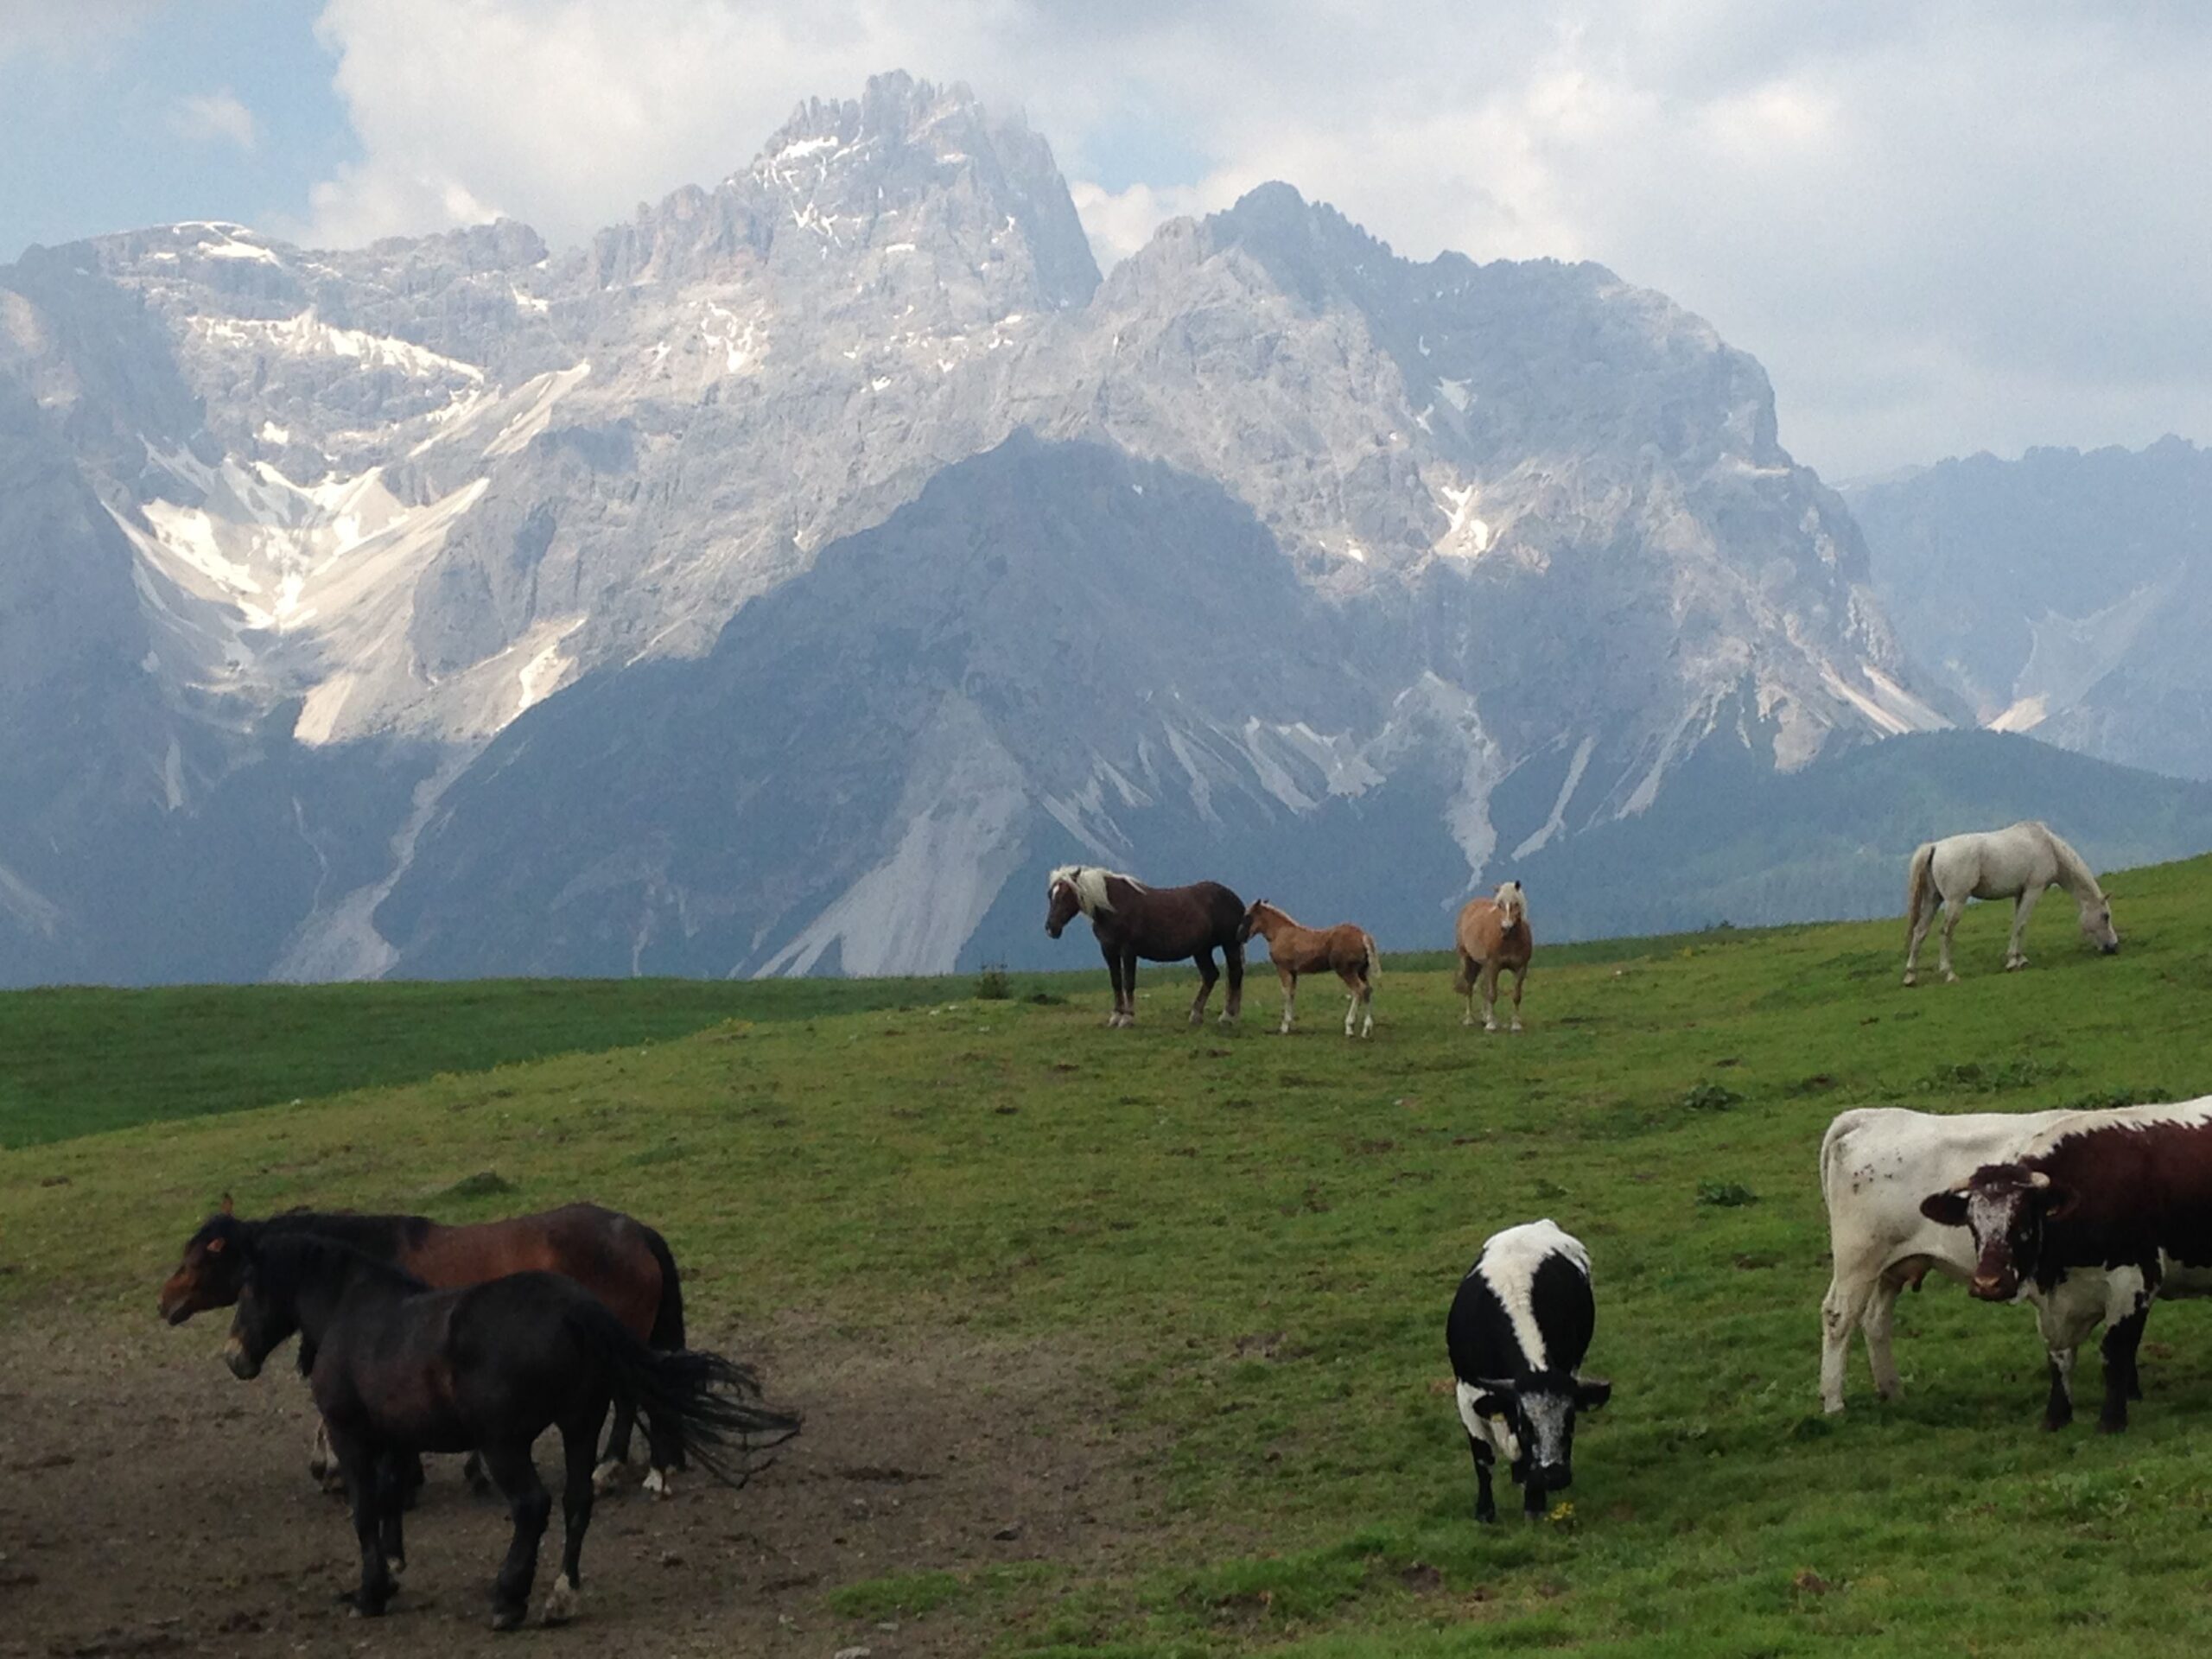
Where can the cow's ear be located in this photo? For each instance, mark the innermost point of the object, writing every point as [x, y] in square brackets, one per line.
[1493, 1405]
[1591, 1392]
[2059, 1202]
[1946, 1209]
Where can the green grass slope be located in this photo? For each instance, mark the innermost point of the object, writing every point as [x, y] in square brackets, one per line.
[1253, 1241]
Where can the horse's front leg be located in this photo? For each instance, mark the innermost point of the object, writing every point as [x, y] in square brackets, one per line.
[370, 1480]
[1490, 995]
[2016, 956]
[1207, 974]
[1234, 954]
[1289, 981]
[1520, 979]
[1113, 955]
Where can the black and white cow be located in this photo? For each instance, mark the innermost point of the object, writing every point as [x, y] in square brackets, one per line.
[1520, 1326]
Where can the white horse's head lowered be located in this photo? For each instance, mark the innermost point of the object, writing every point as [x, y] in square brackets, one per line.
[2096, 922]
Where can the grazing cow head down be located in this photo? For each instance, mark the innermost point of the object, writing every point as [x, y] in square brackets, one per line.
[2096, 924]
[2005, 1206]
[1538, 1409]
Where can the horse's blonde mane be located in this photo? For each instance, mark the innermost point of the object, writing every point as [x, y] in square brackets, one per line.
[1512, 903]
[1090, 884]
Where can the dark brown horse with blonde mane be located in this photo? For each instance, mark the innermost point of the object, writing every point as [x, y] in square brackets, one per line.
[1345, 950]
[1158, 923]
[622, 1262]
[1492, 938]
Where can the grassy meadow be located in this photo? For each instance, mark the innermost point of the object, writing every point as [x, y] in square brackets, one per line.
[1247, 1245]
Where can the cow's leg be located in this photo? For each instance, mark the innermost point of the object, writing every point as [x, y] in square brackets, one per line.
[1877, 1321]
[1233, 954]
[1841, 1311]
[2058, 1408]
[2016, 955]
[1289, 983]
[1207, 974]
[1953, 909]
[1532, 1498]
[2129, 1292]
[1485, 1501]
[1520, 979]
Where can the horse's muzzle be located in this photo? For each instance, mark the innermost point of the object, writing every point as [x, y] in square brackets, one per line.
[1052, 932]
[2111, 950]
[242, 1365]
[174, 1312]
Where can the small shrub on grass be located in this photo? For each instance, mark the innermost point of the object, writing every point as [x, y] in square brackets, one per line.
[993, 984]
[1726, 1195]
[1710, 1097]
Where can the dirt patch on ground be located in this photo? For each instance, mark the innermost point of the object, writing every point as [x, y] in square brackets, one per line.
[150, 1503]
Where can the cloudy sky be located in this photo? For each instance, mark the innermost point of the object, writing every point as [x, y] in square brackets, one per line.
[1943, 228]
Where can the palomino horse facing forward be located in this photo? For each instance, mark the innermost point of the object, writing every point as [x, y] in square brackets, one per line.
[2017, 864]
[620, 1259]
[1158, 923]
[1492, 938]
[1345, 950]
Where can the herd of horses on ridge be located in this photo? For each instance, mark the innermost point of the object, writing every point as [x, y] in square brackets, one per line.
[417, 1336]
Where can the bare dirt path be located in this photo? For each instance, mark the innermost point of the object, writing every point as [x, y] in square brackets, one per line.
[151, 1503]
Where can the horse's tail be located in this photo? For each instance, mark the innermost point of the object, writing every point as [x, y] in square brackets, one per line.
[668, 1318]
[1463, 977]
[1916, 887]
[1373, 969]
[704, 1407]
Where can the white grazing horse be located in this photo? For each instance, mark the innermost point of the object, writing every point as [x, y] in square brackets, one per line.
[2017, 864]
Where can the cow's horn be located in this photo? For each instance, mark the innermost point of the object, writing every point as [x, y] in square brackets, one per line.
[2037, 1178]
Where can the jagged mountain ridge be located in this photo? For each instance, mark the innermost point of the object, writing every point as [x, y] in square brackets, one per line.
[2063, 594]
[379, 504]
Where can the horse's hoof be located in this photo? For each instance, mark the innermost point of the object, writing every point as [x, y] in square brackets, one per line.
[1911, 980]
[1517, 1027]
[507, 1618]
[561, 1605]
[607, 1477]
[655, 1484]
[395, 1564]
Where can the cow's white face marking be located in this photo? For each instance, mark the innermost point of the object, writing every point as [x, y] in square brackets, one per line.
[1549, 1416]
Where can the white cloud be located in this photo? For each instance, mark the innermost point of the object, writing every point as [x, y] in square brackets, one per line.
[212, 116]
[1941, 228]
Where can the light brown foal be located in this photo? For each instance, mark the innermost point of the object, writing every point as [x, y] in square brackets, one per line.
[1493, 937]
[1346, 950]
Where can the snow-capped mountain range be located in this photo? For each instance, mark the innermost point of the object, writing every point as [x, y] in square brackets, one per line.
[769, 585]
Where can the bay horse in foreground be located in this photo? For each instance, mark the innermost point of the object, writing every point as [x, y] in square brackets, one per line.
[1345, 950]
[622, 1262]
[398, 1369]
[1158, 923]
[1492, 936]
[2016, 863]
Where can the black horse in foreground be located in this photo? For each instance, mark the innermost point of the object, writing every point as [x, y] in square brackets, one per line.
[1158, 924]
[398, 1367]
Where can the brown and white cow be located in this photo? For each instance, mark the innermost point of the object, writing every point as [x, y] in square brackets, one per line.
[2126, 1192]
[1877, 1165]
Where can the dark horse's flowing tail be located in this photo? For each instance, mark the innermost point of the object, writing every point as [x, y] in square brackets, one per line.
[702, 1405]
[668, 1318]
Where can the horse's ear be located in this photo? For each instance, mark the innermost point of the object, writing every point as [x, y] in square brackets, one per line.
[214, 1246]
[224, 1207]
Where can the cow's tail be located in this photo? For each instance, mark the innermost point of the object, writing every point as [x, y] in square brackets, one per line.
[704, 1407]
[668, 1318]
[1917, 879]
[1373, 970]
